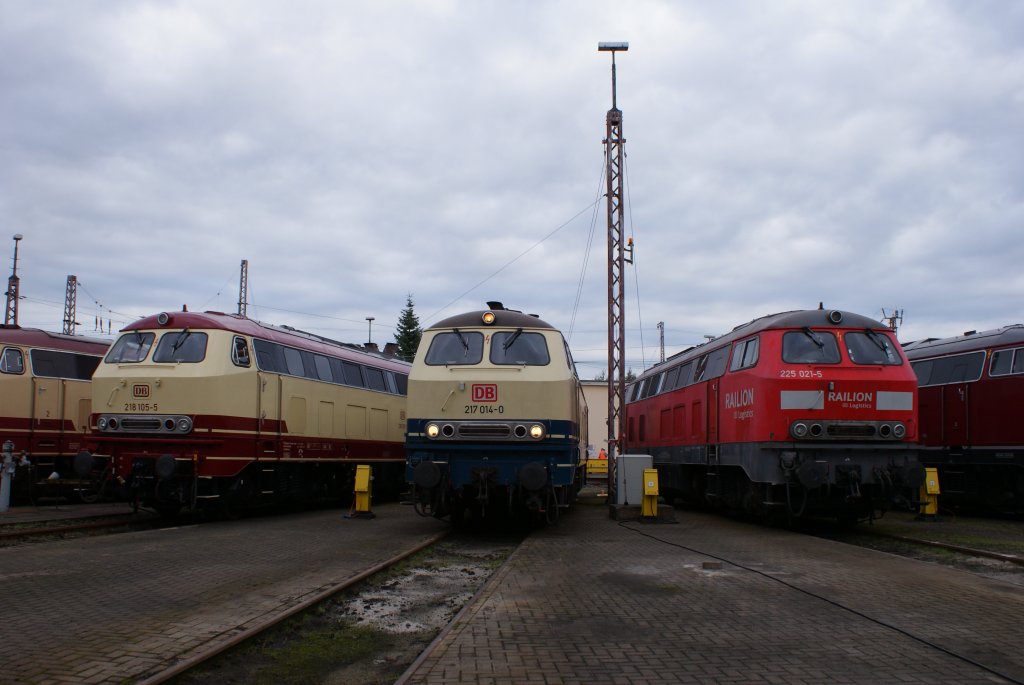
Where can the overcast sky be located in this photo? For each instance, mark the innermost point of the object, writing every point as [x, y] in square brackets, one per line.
[863, 154]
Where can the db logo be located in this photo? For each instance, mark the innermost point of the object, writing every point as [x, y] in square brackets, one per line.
[485, 392]
[140, 391]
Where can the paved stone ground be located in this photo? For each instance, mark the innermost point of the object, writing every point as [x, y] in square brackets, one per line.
[592, 601]
[116, 608]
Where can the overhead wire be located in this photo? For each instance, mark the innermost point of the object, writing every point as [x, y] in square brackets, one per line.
[513, 260]
[586, 254]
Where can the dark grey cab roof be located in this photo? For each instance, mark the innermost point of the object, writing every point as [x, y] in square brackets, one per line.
[502, 318]
[968, 342]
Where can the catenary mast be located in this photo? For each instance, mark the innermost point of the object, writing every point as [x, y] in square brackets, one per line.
[613, 144]
[11, 311]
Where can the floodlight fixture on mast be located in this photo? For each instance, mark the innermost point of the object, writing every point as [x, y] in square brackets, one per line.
[13, 289]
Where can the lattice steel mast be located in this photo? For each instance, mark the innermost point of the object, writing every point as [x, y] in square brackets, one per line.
[243, 290]
[13, 294]
[70, 298]
[614, 154]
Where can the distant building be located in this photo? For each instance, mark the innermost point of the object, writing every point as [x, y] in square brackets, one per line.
[596, 393]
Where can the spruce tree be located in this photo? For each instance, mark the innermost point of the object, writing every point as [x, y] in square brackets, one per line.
[408, 332]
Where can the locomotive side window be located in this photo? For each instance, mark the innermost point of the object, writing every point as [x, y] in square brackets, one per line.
[809, 347]
[402, 381]
[130, 348]
[516, 347]
[1006, 362]
[353, 374]
[53, 364]
[12, 361]
[455, 348]
[684, 375]
[869, 347]
[293, 361]
[269, 357]
[960, 368]
[323, 367]
[240, 352]
[183, 346]
[375, 379]
[744, 354]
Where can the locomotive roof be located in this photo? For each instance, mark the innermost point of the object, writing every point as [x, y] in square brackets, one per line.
[502, 317]
[35, 337]
[968, 342]
[800, 318]
[285, 335]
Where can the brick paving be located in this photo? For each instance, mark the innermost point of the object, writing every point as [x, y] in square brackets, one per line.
[592, 601]
[117, 608]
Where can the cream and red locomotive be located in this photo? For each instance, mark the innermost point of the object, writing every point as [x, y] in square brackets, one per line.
[972, 416]
[794, 413]
[45, 398]
[497, 419]
[197, 410]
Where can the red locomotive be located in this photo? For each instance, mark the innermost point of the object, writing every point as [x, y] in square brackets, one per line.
[202, 410]
[971, 389]
[803, 412]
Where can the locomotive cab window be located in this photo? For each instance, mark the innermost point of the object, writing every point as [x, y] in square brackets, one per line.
[130, 348]
[870, 347]
[184, 347]
[744, 354]
[12, 361]
[1005, 362]
[519, 348]
[809, 347]
[455, 348]
[240, 352]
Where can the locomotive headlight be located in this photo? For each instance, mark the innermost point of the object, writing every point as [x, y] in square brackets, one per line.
[433, 430]
[536, 431]
[102, 423]
[184, 424]
[899, 430]
[798, 429]
[488, 318]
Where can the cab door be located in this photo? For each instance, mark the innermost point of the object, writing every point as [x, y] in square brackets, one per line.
[954, 413]
[268, 439]
[47, 425]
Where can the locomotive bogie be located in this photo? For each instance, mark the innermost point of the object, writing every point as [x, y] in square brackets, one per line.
[199, 409]
[813, 405]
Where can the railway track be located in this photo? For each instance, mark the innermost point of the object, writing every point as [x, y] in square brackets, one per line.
[368, 628]
[990, 547]
[17, 533]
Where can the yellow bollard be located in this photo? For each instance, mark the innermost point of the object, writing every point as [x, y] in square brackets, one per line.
[649, 506]
[929, 495]
[363, 492]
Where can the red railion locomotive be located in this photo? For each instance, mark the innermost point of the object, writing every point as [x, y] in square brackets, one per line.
[803, 412]
[212, 410]
[972, 416]
[44, 400]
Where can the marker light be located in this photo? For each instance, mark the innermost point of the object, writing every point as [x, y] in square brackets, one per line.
[799, 430]
[488, 318]
[433, 430]
[536, 431]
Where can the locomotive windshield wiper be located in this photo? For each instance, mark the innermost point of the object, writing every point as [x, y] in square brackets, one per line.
[814, 337]
[511, 339]
[182, 337]
[465, 345]
[877, 339]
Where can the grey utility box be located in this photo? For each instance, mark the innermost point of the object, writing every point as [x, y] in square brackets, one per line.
[629, 478]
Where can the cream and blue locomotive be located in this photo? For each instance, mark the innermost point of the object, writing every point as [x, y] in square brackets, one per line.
[497, 419]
